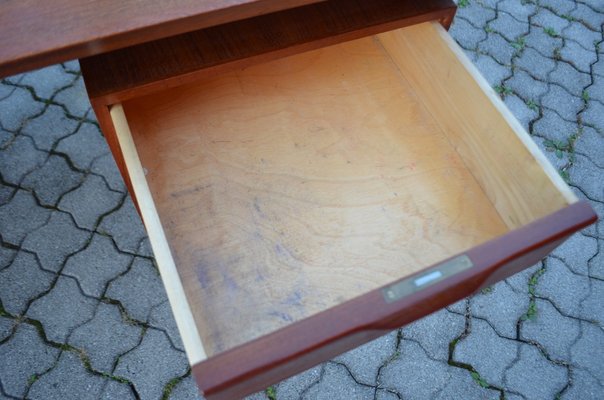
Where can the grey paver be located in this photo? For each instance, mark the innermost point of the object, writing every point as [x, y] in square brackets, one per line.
[47, 128]
[501, 307]
[46, 81]
[461, 383]
[541, 42]
[588, 16]
[22, 282]
[584, 386]
[477, 13]
[555, 332]
[492, 71]
[582, 176]
[576, 252]
[144, 248]
[565, 289]
[24, 355]
[89, 202]
[591, 306]
[6, 327]
[294, 387]
[112, 337]
[84, 146]
[596, 90]
[187, 389]
[521, 111]
[67, 380]
[562, 102]
[551, 126]
[526, 86]
[509, 27]
[56, 240]
[125, 226]
[152, 365]
[7, 255]
[519, 10]
[337, 383]
[20, 216]
[534, 377]
[562, 7]
[64, 300]
[570, 79]
[594, 115]
[365, 361]
[74, 99]
[161, 317]
[547, 19]
[96, 265]
[579, 57]
[16, 109]
[583, 35]
[435, 332]
[484, 340]
[53, 179]
[19, 158]
[106, 167]
[413, 374]
[6, 193]
[117, 391]
[465, 34]
[139, 290]
[535, 64]
[497, 47]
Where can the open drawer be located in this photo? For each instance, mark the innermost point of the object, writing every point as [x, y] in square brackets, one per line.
[301, 207]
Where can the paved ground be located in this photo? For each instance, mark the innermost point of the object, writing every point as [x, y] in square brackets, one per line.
[83, 314]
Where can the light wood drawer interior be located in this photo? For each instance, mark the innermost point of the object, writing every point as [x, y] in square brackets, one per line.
[278, 191]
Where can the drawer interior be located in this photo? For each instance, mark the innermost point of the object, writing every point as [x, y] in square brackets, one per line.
[292, 186]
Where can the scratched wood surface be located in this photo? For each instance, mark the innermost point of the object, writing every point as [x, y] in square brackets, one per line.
[291, 186]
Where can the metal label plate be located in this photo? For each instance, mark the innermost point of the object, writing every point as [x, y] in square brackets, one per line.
[408, 286]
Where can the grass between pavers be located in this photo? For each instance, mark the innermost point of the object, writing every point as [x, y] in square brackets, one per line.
[531, 312]
[271, 393]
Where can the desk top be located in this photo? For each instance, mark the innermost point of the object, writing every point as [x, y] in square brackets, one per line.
[34, 34]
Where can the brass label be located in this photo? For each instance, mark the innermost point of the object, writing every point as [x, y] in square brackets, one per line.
[408, 286]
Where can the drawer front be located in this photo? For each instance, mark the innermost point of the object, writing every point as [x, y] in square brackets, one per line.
[304, 206]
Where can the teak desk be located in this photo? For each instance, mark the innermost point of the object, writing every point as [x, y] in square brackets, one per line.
[311, 174]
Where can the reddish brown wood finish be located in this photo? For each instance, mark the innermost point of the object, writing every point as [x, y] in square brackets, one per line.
[37, 33]
[139, 70]
[258, 364]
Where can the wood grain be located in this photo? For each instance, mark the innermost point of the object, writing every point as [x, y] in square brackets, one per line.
[292, 186]
[139, 70]
[35, 33]
[270, 359]
[512, 171]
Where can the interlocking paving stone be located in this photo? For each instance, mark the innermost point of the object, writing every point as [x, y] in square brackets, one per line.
[337, 383]
[187, 389]
[96, 265]
[588, 16]
[492, 71]
[542, 42]
[144, 248]
[46, 129]
[596, 90]
[526, 86]
[6, 327]
[509, 27]
[582, 176]
[64, 300]
[84, 146]
[565, 289]
[521, 111]
[294, 387]
[117, 391]
[24, 355]
[67, 380]
[435, 332]
[461, 383]
[17, 109]
[47, 81]
[577, 251]
[56, 240]
[547, 19]
[125, 226]
[580, 58]
[21, 216]
[551, 126]
[591, 306]
[519, 10]
[161, 317]
[19, 158]
[7, 256]
[106, 167]
[584, 386]
[497, 47]
[476, 13]
[562, 7]
[52, 180]
[555, 332]
[6, 193]
[365, 361]
[481, 341]
[465, 35]
[581, 34]
[562, 102]
[535, 64]
[152, 365]
[413, 374]
[594, 115]
[89, 202]
[105, 337]
[534, 377]
[23, 281]
[570, 79]
[139, 290]
[501, 307]
[74, 99]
